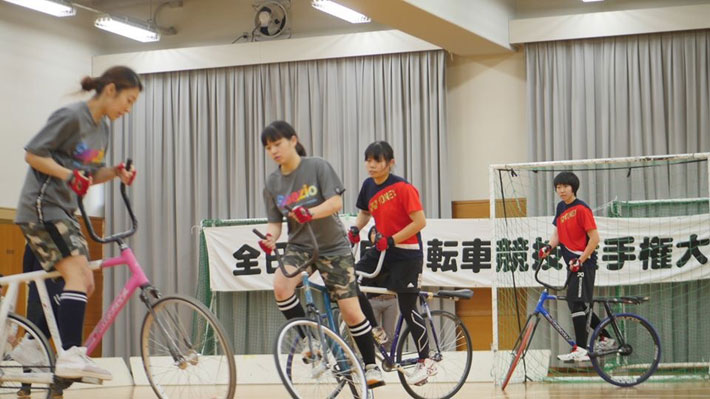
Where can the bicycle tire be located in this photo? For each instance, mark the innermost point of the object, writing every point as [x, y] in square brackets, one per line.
[18, 327]
[185, 351]
[632, 362]
[324, 376]
[453, 356]
[521, 348]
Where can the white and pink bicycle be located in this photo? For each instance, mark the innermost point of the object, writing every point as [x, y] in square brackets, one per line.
[183, 346]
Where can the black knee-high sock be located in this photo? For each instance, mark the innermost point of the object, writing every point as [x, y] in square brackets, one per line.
[362, 334]
[579, 320]
[291, 309]
[408, 308]
[72, 308]
[366, 307]
[595, 322]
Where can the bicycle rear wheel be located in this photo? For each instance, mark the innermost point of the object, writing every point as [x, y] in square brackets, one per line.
[333, 371]
[635, 354]
[26, 355]
[519, 349]
[449, 346]
[185, 351]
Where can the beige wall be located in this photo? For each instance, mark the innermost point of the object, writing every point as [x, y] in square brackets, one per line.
[486, 119]
[42, 61]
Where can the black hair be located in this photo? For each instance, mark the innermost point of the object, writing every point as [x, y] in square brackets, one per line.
[379, 150]
[281, 130]
[567, 178]
[122, 77]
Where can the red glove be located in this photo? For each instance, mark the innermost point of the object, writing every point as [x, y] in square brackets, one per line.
[544, 251]
[79, 182]
[302, 214]
[354, 235]
[574, 265]
[383, 243]
[265, 245]
[121, 167]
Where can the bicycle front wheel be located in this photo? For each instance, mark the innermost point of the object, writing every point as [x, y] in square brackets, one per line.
[520, 348]
[185, 351]
[449, 346]
[634, 353]
[315, 363]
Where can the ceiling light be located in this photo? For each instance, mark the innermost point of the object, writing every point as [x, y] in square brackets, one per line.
[58, 8]
[128, 28]
[590, 1]
[339, 11]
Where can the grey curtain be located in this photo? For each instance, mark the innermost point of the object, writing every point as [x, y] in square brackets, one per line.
[619, 97]
[194, 137]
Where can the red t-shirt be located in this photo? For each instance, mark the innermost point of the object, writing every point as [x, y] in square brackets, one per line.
[390, 203]
[573, 221]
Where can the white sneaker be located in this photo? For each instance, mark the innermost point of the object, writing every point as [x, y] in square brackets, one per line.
[373, 376]
[422, 371]
[605, 344]
[380, 335]
[74, 363]
[312, 353]
[29, 352]
[578, 354]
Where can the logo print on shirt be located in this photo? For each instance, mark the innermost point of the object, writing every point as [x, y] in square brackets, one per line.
[87, 155]
[381, 199]
[296, 196]
[568, 215]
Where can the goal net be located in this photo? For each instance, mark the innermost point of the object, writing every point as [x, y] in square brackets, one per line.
[654, 225]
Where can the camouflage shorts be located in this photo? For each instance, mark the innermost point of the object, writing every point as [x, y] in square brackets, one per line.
[338, 272]
[55, 240]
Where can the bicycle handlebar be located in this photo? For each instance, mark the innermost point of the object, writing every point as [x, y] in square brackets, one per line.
[380, 261]
[118, 236]
[546, 285]
[299, 268]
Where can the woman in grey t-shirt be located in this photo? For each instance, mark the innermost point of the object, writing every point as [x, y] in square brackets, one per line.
[310, 187]
[65, 158]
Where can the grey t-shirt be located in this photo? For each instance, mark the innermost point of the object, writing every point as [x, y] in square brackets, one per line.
[73, 139]
[312, 183]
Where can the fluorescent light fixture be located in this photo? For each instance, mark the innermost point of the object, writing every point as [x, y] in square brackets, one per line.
[339, 11]
[58, 8]
[128, 28]
[591, 1]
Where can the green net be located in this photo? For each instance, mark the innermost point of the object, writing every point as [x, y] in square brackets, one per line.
[656, 198]
[251, 319]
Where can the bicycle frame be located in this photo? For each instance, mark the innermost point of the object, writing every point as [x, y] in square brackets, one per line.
[540, 310]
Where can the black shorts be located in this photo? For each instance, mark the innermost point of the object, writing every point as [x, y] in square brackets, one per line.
[581, 284]
[398, 275]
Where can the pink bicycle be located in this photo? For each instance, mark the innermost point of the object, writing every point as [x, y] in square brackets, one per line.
[184, 348]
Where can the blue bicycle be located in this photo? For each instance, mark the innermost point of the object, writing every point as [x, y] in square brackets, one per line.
[313, 361]
[630, 360]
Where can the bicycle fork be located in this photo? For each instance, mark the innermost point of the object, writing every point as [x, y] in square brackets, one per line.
[149, 296]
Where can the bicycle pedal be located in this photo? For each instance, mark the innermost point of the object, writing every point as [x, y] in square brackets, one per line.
[90, 380]
[424, 381]
[375, 384]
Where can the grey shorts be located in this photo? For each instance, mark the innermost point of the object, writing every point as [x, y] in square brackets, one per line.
[338, 272]
[55, 240]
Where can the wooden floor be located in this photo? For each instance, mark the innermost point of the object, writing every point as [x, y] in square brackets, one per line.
[700, 389]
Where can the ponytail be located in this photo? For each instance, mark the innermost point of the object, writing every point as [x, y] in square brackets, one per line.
[122, 77]
[300, 150]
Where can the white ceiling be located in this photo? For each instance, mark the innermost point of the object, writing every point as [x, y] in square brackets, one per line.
[215, 22]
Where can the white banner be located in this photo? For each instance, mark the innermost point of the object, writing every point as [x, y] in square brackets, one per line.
[464, 253]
